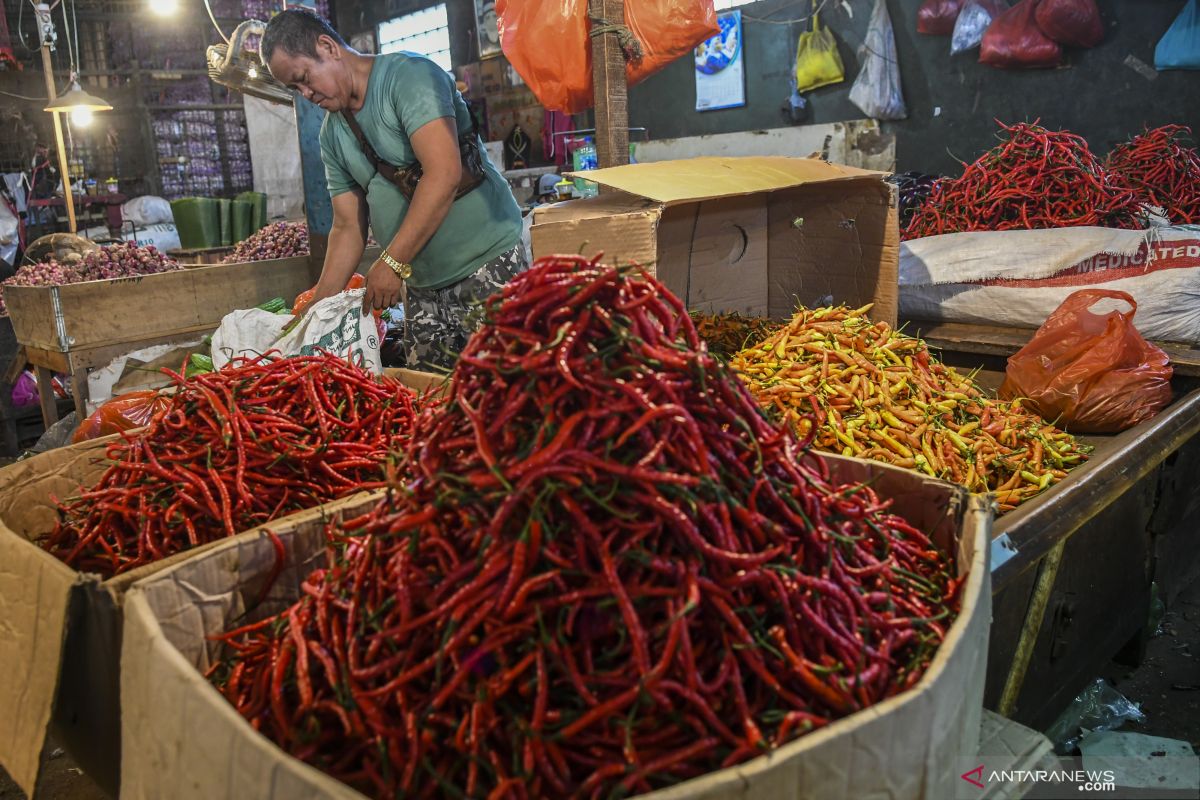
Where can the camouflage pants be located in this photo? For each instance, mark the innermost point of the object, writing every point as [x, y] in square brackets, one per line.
[441, 320]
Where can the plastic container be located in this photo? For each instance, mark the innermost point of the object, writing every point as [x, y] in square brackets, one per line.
[243, 217]
[225, 214]
[198, 222]
[258, 200]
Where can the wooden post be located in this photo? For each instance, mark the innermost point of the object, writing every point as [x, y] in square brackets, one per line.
[58, 137]
[608, 82]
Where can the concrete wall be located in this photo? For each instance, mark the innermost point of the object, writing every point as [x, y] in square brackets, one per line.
[952, 101]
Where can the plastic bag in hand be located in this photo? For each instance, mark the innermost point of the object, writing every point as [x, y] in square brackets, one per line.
[818, 62]
[973, 22]
[1179, 48]
[1088, 372]
[122, 413]
[937, 17]
[1074, 23]
[877, 90]
[1014, 41]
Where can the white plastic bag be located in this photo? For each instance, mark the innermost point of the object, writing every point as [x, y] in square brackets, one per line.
[973, 21]
[337, 325]
[246, 333]
[148, 210]
[877, 90]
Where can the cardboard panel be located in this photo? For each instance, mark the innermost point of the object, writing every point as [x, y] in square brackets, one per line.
[834, 244]
[729, 256]
[692, 179]
[623, 236]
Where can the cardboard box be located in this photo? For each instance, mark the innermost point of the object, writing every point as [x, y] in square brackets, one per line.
[754, 235]
[181, 739]
[60, 629]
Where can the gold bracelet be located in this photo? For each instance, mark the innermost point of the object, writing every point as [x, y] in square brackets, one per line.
[403, 270]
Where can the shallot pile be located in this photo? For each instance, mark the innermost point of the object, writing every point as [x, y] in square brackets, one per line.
[112, 261]
[277, 240]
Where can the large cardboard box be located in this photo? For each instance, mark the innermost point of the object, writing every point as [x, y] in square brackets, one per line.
[181, 739]
[60, 629]
[754, 235]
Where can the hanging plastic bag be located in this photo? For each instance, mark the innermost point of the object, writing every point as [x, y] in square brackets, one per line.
[122, 413]
[818, 62]
[1014, 41]
[973, 21]
[1074, 23]
[548, 43]
[877, 90]
[1179, 48]
[937, 17]
[1089, 372]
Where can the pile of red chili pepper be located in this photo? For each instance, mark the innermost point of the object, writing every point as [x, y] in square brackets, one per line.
[1035, 178]
[1163, 170]
[728, 332]
[607, 572]
[233, 449]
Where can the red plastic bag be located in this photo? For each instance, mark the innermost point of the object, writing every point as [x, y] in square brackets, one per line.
[122, 413]
[1074, 23]
[1014, 41]
[547, 42]
[937, 17]
[1092, 373]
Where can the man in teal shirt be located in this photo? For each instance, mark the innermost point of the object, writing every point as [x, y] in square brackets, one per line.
[453, 252]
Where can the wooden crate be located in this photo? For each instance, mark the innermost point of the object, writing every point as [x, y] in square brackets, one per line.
[93, 314]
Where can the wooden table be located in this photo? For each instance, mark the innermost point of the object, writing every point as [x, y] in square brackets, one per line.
[1073, 569]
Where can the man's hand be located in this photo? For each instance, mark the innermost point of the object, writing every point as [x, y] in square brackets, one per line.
[383, 288]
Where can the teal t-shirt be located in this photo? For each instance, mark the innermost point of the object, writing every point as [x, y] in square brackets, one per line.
[406, 91]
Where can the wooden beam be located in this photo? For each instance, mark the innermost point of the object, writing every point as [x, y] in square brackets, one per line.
[608, 82]
[65, 173]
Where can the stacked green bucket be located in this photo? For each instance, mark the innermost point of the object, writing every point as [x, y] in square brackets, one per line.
[198, 221]
[206, 222]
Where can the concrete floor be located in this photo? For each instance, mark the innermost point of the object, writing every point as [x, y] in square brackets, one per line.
[1167, 685]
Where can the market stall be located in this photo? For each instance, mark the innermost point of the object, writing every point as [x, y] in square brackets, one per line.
[742, 472]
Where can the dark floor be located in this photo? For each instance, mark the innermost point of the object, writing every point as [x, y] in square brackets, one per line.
[1166, 685]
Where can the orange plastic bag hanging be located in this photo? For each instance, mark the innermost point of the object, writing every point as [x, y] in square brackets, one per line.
[1093, 373]
[548, 43]
[122, 413]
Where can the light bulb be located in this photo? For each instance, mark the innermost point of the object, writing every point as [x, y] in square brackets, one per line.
[81, 117]
[163, 8]
[252, 72]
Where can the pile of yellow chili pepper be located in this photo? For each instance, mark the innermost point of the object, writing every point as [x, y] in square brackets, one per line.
[726, 334]
[862, 389]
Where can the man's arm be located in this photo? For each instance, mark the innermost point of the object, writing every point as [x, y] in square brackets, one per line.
[347, 241]
[435, 145]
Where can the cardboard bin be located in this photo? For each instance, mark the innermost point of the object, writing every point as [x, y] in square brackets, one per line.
[754, 235]
[60, 629]
[181, 739]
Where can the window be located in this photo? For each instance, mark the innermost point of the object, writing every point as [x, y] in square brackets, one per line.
[721, 5]
[425, 32]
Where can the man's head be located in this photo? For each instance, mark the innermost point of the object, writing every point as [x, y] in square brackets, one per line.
[304, 52]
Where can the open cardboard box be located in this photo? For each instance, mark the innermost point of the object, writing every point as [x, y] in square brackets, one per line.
[181, 739]
[60, 629]
[755, 235]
